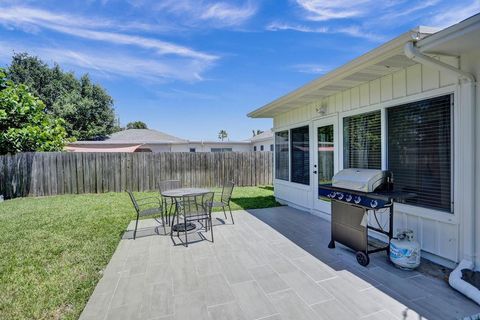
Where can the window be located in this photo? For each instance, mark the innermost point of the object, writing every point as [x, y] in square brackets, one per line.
[300, 155]
[281, 155]
[192, 150]
[420, 150]
[362, 141]
[221, 149]
[254, 148]
[261, 147]
[271, 147]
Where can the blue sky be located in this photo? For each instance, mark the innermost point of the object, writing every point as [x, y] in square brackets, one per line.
[193, 67]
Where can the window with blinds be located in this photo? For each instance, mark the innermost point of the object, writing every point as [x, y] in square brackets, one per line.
[300, 155]
[362, 141]
[281, 155]
[419, 151]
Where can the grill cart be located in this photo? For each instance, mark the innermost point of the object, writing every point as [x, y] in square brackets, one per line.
[354, 194]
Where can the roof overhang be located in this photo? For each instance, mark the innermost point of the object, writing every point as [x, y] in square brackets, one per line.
[455, 40]
[105, 148]
[384, 60]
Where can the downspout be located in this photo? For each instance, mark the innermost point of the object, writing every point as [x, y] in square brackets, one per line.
[467, 99]
[412, 52]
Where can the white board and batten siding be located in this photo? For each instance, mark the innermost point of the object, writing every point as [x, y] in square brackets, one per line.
[438, 232]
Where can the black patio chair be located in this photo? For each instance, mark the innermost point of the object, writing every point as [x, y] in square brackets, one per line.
[225, 199]
[147, 206]
[193, 208]
[168, 203]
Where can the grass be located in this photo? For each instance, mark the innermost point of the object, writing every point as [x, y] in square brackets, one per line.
[54, 248]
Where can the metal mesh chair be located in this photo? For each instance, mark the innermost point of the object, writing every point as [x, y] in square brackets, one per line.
[192, 208]
[147, 206]
[225, 199]
[168, 203]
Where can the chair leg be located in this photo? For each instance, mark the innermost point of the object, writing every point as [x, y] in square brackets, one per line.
[211, 227]
[136, 225]
[224, 213]
[186, 232]
[231, 215]
[163, 223]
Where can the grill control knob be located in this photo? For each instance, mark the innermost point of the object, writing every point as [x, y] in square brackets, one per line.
[339, 196]
[357, 199]
[348, 198]
[373, 203]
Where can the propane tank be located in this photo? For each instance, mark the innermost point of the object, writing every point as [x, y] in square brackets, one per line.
[404, 250]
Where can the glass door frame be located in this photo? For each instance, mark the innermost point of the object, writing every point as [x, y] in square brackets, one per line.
[319, 204]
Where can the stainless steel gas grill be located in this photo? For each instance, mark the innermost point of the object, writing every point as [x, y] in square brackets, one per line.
[353, 194]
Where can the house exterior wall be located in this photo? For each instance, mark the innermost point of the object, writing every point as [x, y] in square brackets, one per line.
[440, 234]
[206, 147]
[265, 143]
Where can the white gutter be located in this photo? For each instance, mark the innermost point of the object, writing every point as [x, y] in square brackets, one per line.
[467, 95]
[412, 52]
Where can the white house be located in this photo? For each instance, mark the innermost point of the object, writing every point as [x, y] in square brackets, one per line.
[148, 140]
[262, 142]
[410, 106]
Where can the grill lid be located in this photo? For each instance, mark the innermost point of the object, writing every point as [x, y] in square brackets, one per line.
[366, 180]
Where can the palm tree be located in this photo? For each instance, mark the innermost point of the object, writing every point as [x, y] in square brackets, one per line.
[222, 134]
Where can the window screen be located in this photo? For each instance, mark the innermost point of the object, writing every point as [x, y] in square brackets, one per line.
[300, 155]
[281, 155]
[419, 151]
[362, 141]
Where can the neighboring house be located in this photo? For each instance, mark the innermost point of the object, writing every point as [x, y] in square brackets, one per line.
[148, 140]
[410, 106]
[262, 141]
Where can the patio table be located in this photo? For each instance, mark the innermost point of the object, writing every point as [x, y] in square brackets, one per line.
[179, 193]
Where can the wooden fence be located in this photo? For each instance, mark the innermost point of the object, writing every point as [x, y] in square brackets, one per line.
[52, 173]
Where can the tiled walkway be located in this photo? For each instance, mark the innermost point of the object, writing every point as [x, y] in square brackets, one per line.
[271, 264]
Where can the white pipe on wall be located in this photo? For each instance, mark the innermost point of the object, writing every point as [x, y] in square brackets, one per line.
[412, 52]
[467, 103]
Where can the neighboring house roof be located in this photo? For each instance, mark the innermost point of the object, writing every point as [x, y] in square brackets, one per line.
[266, 135]
[386, 59]
[137, 136]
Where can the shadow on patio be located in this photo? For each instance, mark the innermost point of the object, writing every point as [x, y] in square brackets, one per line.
[271, 264]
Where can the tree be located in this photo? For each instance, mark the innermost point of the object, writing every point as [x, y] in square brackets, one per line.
[24, 125]
[255, 133]
[222, 134]
[137, 125]
[86, 107]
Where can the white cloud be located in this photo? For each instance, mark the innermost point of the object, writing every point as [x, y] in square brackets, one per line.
[276, 26]
[322, 10]
[454, 14]
[28, 16]
[310, 68]
[218, 14]
[161, 47]
[108, 63]
[229, 14]
[35, 19]
[353, 31]
[156, 59]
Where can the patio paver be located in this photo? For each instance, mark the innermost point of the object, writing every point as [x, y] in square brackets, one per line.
[272, 264]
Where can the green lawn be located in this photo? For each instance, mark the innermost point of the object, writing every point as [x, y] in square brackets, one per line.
[54, 248]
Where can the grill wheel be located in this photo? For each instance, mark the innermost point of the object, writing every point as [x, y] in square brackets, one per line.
[362, 258]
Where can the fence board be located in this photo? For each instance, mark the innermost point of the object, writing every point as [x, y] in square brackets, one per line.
[43, 173]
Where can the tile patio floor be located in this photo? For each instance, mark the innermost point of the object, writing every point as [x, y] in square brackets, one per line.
[271, 264]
